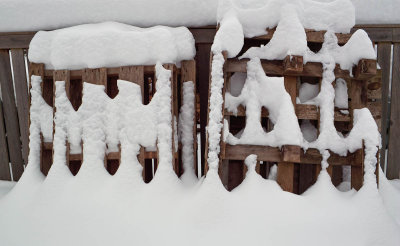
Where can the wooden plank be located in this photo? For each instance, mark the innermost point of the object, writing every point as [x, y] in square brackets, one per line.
[384, 54]
[286, 169]
[285, 176]
[291, 153]
[4, 160]
[393, 160]
[135, 74]
[15, 40]
[293, 65]
[203, 35]
[358, 95]
[357, 169]
[276, 67]
[96, 76]
[312, 36]
[377, 33]
[203, 71]
[188, 73]
[21, 92]
[365, 69]
[10, 116]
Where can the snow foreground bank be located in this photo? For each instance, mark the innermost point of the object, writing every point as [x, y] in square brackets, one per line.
[112, 211]
[111, 44]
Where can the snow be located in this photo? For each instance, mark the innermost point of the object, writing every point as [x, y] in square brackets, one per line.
[281, 43]
[307, 92]
[5, 187]
[110, 44]
[269, 92]
[341, 96]
[42, 112]
[53, 14]
[229, 36]
[186, 124]
[338, 15]
[377, 11]
[22, 15]
[215, 124]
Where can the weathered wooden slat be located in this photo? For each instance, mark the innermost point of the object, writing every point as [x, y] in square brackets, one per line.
[10, 115]
[286, 169]
[312, 36]
[310, 69]
[393, 164]
[96, 76]
[4, 160]
[188, 73]
[16, 40]
[273, 154]
[21, 92]
[384, 54]
[358, 95]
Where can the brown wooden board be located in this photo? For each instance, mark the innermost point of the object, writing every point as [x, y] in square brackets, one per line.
[21, 92]
[4, 160]
[10, 116]
[393, 163]
[291, 154]
[203, 71]
[384, 53]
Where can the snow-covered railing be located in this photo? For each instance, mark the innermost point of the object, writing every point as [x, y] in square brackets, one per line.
[115, 94]
[293, 54]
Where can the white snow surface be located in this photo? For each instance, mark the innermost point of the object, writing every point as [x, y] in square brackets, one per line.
[54, 14]
[5, 187]
[111, 44]
[269, 92]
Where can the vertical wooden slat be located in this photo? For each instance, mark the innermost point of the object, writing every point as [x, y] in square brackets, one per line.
[96, 76]
[285, 175]
[4, 160]
[358, 95]
[188, 73]
[203, 71]
[135, 74]
[21, 91]
[384, 52]
[393, 163]
[10, 115]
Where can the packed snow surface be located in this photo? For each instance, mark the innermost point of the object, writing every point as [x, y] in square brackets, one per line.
[111, 44]
[5, 187]
[53, 14]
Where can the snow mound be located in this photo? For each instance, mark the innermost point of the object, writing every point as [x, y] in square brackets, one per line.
[111, 44]
[257, 16]
[269, 92]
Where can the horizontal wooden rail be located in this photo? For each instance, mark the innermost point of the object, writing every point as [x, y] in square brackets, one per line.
[312, 36]
[274, 154]
[303, 112]
[366, 68]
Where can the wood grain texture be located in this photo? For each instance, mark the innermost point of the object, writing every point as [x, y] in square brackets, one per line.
[21, 92]
[393, 164]
[4, 160]
[384, 53]
[10, 116]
